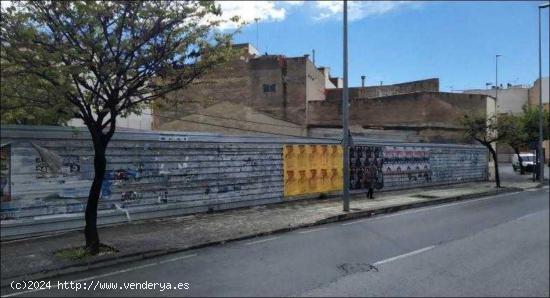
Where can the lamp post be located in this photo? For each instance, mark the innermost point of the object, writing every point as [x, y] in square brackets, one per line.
[496, 99]
[496, 81]
[345, 109]
[540, 153]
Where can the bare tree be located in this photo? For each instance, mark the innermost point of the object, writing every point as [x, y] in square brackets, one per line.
[487, 132]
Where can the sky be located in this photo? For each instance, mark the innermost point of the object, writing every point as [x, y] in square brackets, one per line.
[399, 41]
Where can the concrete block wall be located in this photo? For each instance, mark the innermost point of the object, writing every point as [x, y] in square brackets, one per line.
[158, 174]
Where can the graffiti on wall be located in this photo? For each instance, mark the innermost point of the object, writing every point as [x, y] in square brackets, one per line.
[312, 169]
[366, 167]
[120, 177]
[130, 196]
[5, 173]
[407, 163]
[69, 167]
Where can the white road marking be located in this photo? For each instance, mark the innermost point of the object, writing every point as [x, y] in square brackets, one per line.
[260, 241]
[312, 230]
[529, 215]
[404, 255]
[354, 222]
[178, 258]
[422, 209]
[443, 205]
[104, 275]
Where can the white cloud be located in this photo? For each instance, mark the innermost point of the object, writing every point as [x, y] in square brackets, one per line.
[358, 9]
[248, 11]
[292, 2]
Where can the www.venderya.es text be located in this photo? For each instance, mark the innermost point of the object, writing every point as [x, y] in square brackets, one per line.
[93, 285]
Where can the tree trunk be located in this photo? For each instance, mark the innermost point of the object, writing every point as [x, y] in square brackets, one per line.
[521, 168]
[90, 231]
[494, 154]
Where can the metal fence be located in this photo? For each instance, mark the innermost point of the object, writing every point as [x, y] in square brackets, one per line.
[156, 174]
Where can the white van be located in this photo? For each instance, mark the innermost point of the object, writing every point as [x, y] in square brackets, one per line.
[528, 161]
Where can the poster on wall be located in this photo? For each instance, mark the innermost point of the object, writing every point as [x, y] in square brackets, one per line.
[309, 168]
[407, 163]
[366, 167]
[5, 173]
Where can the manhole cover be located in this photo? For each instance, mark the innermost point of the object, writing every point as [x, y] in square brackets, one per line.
[425, 196]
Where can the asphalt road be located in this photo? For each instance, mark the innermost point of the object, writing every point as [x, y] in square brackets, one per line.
[507, 174]
[494, 246]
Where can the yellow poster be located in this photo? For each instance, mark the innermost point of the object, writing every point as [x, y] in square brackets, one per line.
[312, 169]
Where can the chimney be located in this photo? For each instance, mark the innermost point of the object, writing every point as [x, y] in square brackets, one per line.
[313, 56]
[363, 81]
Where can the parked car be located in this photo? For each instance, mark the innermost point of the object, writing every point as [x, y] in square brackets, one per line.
[528, 161]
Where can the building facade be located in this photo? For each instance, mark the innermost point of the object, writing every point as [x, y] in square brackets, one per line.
[293, 91]
[510, 99]
[534, 93]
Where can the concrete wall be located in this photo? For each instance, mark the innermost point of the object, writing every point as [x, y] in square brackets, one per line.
[206, 91]
[385, 90]
[233, 119]
[535, 91]
[435, 115]
[144, 121]
[316, 80]
[242, 81]
[326, 73]
[152, 174]
[510, 100]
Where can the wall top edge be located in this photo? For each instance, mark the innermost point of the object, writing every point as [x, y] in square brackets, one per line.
[11, 132]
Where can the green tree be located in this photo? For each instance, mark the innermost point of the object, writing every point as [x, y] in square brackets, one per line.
[486, 131]
[530, 122]
[25, 99]
[515, 135]
[109, 58]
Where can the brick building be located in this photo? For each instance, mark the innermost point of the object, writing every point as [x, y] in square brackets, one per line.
[289, 92]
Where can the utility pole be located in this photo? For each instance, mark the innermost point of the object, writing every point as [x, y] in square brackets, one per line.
[540, 154]
[345, 109]
[496, 102]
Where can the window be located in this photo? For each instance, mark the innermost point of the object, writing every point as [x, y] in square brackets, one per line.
[269, 88]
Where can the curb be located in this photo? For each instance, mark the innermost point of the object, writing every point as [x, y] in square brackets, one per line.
[101, 263]
[396, 208]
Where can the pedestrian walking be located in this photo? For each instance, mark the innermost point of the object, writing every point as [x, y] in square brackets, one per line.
[370, 180]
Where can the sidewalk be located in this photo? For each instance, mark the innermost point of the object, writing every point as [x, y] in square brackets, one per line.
[35, 258]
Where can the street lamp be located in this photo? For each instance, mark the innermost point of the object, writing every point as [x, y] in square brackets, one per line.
[345, 110]
[540, 154]
[496, 99]
[496, 81]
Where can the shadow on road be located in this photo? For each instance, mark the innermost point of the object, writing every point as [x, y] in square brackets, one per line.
[507, 174]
